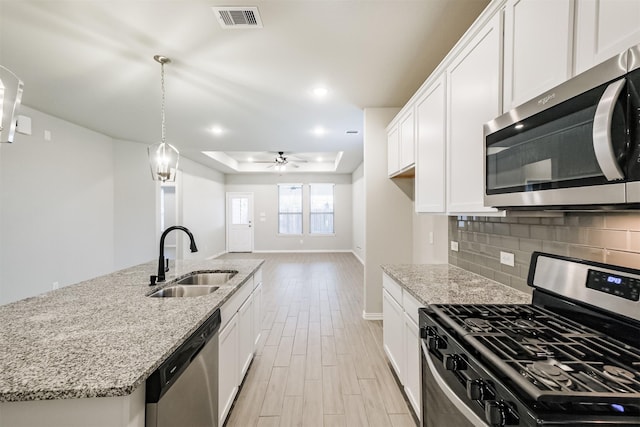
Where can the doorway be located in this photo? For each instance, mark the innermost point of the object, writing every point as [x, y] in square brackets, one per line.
[239, 222]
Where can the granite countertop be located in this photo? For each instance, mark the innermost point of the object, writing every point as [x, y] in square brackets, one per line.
[102, 337]
[448, 284]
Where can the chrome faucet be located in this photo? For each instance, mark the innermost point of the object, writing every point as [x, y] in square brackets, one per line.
[162, 267]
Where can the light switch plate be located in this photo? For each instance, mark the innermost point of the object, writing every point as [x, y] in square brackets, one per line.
[507, 258]
[454, 246]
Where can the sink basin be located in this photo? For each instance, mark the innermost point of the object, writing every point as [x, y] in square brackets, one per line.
[213, 277]
[184, 291]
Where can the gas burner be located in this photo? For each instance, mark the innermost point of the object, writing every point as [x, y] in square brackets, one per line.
[618, 374]
[478, 325]
[524, 323]
[548, 374]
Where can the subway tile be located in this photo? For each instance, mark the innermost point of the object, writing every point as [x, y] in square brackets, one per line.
[481, 238]
[502, 229]
[520, 285]
[610, 239]
[593, 220]
[622, 221]
[587, 252]
[634, 241]
[519, 230]
[553, 220]
[529, 220]
[501, 277]
[542, 232]
[555, 248]
[624, 259]
[510, 243]
[530, 245]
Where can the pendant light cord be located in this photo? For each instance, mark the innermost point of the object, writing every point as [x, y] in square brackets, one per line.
[162, 85]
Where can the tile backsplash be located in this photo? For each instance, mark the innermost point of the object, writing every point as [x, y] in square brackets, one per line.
[613, 238]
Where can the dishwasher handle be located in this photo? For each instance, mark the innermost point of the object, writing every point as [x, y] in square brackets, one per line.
[168, 372]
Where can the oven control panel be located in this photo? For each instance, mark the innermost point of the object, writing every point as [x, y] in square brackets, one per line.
[614, 284]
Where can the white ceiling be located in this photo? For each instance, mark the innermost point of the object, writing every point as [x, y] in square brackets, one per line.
[91, 62]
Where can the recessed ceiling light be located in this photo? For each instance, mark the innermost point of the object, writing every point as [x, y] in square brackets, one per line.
[217, 130]
[320, 91]
[319, 131]
[318, 159]
[519, 126]
[250, 159]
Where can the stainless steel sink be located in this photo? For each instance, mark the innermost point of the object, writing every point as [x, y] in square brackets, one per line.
[184, 291]
[212, 277]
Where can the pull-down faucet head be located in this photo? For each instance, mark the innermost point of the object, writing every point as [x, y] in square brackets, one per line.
[161, 261]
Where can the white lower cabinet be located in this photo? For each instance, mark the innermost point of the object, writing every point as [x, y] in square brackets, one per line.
[393, 326]
[246, 343]
[227, 367]
[237, 339]
[412, 363]
[401, 338]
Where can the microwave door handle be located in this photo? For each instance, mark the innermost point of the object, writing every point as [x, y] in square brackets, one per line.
[602, 144]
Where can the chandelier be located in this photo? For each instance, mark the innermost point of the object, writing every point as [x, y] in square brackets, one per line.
[163, 157]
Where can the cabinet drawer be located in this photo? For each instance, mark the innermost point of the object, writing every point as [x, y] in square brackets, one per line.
[230, 307]
[411, 306]
[392, 287]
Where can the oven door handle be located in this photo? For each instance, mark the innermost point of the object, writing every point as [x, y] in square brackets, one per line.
[602, 144]
[451, 395]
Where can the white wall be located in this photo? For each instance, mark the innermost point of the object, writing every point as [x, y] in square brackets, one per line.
[388, 211]
[135, 210]
[430, 239]
[265, 200]
[57, 207]
[357, 196]
[202, 195]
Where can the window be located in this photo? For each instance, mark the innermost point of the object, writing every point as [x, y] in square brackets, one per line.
[321, 208]
[290, 208]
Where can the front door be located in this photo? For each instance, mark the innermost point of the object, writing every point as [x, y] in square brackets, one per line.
[239, 222]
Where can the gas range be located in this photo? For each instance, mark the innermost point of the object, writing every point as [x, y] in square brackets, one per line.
[562, 360]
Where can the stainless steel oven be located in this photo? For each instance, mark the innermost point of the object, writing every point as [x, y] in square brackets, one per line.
[570, 358]
[575, 146]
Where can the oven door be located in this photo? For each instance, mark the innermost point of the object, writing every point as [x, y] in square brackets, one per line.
[443, 404]
[568, 148]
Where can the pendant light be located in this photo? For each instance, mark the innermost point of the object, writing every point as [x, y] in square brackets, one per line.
[163, 157]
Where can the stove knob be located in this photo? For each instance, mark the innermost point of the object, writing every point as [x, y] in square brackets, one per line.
[477, 390]
[494, 413]
[435, 343]
[453, 362]
[426, 332]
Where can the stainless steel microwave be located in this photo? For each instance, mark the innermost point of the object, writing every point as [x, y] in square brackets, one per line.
[577, 146]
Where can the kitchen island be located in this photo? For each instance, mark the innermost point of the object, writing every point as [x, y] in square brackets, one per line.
[95, 343]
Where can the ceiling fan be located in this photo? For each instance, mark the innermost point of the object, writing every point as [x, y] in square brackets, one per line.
[280, 161]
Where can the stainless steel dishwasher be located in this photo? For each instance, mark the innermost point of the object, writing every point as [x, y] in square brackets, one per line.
[183, 391]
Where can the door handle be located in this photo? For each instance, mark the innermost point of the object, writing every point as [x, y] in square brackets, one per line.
[602, 144]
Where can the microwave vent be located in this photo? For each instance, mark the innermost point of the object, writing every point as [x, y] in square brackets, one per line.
[238, 17]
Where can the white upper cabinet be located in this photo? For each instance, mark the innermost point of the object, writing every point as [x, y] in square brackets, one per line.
[537, 48]
[474, 94]
[393, 147]
[430, 148]
[401, 144]
[407, 141]
[604, 29]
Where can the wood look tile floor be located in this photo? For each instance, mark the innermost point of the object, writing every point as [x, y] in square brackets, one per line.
[318, 362]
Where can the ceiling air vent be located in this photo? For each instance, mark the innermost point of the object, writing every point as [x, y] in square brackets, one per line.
[238, 17]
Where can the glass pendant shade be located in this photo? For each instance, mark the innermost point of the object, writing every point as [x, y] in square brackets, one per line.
[163, 158]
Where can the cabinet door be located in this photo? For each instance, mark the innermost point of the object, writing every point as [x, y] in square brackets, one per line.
[473, 85]
[257, 315]
[412, 363]
[536, 57]
[407, 141]
[227, 367]
[604, 29]
[430, 149]
[393, 331]
[246, 341]
[393, 149]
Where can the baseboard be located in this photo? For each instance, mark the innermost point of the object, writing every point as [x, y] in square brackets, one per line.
[357, 257]
[371, 316]
[304, 251]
